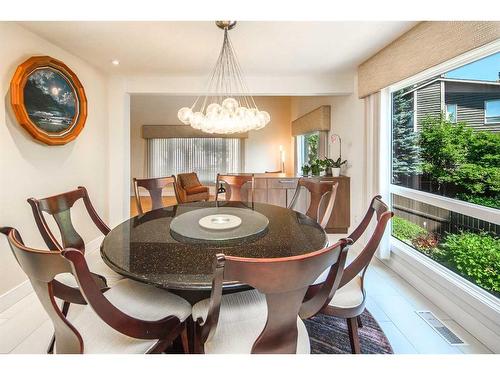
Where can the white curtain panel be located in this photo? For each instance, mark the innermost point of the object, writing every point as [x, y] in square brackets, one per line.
[377, 147]
[205, 156]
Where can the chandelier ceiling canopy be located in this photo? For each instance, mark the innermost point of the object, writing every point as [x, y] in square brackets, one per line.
[227, 107]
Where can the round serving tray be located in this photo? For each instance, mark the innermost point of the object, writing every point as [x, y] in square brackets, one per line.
[199, 226]
[219, 222]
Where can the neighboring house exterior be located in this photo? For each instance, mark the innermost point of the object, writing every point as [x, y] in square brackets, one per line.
[475, 102]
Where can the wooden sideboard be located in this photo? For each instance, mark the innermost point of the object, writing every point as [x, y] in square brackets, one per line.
[279, 188]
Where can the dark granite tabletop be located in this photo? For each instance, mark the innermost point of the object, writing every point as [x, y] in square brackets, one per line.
[142, 248]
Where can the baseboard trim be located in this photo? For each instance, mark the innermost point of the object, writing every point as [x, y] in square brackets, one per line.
[11, 297]
[14, 295]
[472, 313]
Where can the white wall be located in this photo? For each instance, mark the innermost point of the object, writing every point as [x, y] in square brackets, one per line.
[31, 169]
[347, 121]
[261, 147]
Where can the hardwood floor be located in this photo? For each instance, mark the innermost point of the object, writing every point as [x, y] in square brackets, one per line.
[146, 203]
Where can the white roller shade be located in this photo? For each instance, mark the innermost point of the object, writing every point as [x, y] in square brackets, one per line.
[205, 156]
[428, 44]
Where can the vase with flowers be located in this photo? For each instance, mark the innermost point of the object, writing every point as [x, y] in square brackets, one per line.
[333, 166]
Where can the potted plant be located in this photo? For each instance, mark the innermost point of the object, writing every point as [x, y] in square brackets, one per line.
[316, 167]
[335, 166]
[327, 164]
[306, 168]
[324, 166]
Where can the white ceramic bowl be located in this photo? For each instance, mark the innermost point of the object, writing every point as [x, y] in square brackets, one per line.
[220, 222]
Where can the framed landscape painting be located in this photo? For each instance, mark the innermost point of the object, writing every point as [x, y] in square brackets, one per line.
[48, 100]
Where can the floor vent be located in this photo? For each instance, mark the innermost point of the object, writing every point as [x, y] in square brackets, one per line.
[440, 328]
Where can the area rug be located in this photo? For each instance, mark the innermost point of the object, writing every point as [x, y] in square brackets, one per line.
[329, 335]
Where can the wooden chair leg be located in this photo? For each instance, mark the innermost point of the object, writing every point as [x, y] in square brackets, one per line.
[352, 326]
[50, 349]
[185, 340]
[198, 347]
[360, 323]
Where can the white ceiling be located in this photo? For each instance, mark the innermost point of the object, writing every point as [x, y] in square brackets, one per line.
[191, 48]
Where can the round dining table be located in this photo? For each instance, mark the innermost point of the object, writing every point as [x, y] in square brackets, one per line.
[145, 248]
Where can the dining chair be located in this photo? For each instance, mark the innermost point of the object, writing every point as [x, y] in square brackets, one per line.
[130, 317]
[323, 194]
[190, 189]
[155, 187]
[59, 207]
[234, 184]
[265, 319]
[350, 299]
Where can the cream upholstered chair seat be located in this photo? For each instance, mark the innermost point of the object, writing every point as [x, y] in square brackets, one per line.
[242, 318]
[350, 295]
[67, 279]
[137, 300]
[97, 266]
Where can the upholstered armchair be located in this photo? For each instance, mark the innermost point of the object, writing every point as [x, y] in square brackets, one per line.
[190, 188]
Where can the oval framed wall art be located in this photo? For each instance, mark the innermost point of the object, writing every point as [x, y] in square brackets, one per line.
[48, 100]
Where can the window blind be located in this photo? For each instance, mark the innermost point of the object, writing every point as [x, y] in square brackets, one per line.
[426, 45]
[205, 156]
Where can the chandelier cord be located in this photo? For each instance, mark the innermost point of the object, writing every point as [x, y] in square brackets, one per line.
[226, 106]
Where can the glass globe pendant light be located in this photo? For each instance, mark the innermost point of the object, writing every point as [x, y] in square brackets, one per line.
[227, 107]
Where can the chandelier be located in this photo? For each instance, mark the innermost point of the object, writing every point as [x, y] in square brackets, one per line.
[227, 107]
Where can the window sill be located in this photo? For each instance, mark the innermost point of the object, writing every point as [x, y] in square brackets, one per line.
[472, 307]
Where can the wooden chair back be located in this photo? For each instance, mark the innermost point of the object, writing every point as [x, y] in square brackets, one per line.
[155, 187]
[361, 262]
[284, 281]
[235, 184]
[59, 207]
[323, 194]
[42, 266]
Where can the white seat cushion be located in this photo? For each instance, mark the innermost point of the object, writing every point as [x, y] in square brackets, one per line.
[97, 265]
[350, 295]
[137, 300]
[67, 279]
[241, 320]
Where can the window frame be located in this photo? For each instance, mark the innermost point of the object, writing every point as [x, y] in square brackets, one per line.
[465, 290]
[497, 121]
[323, 148]
[447, 114]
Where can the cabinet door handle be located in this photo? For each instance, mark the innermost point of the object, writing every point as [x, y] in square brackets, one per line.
[285, 182]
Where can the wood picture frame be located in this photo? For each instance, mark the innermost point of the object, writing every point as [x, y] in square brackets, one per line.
[48, 100]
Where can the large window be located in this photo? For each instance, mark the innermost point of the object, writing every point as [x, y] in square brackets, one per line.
[205, 156]
[307, 149]
[446, 173]
[464, 244]
[451, 113]
[492, 111]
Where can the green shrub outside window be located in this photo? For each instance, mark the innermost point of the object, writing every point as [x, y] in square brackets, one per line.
[475, 257]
